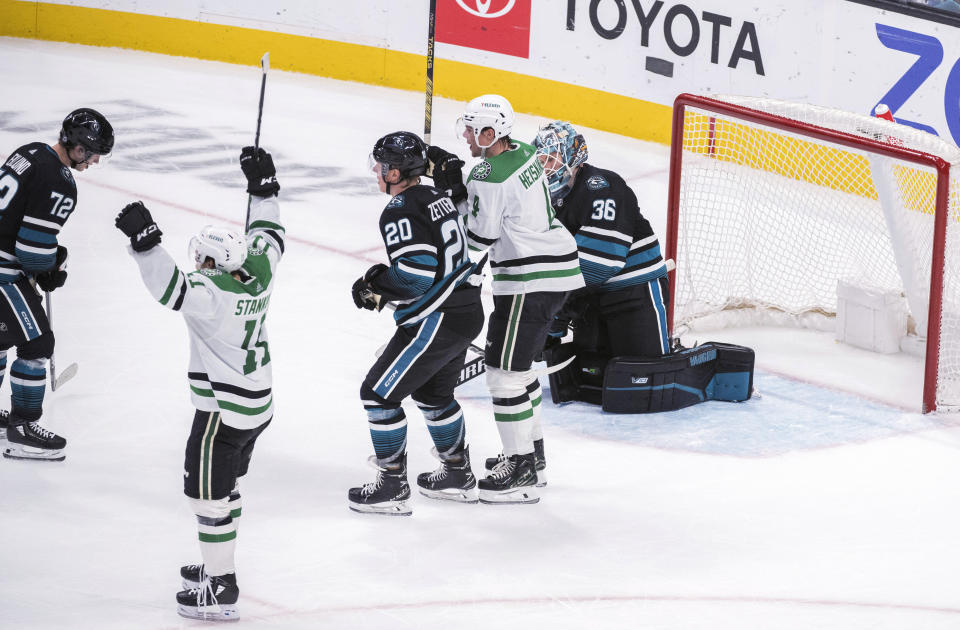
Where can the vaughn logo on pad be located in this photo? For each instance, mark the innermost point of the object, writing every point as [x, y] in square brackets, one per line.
[500, 26]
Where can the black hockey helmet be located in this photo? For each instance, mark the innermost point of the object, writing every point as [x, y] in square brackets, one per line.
[403, 151]
[88, 128]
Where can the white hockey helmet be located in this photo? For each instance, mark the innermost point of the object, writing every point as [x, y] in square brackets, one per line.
[489, 110]
[227, 248]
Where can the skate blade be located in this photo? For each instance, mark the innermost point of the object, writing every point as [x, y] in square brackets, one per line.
[210, 613]
[454, 494]
[526, 494]
[15, 451]
[387, 508]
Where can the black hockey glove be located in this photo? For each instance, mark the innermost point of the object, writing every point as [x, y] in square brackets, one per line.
[364, 295]
[261, 174]
[54, 278]
[446, 173]
[135, 221]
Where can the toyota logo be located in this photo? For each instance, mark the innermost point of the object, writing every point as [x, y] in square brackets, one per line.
[482, 8]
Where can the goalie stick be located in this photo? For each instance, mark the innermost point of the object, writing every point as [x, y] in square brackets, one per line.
[264, 67]
[57, 380]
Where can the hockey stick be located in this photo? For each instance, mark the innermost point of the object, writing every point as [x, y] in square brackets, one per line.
[56, 382]
[264, 67]
[431, 40]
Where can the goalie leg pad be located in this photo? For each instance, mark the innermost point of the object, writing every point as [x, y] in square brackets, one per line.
[711, 371]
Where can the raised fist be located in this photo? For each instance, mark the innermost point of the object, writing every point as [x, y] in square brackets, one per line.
[135, 221]
[257, 166]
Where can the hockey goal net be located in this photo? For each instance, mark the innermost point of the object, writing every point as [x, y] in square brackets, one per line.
[772, 204]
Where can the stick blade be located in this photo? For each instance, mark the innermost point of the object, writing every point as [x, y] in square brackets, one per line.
[265, 62]
[64, 376]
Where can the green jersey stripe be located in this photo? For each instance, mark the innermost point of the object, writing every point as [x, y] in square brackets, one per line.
[536, 275]
[208, 393]
[246, 411]
[173, 283]
[267, 225]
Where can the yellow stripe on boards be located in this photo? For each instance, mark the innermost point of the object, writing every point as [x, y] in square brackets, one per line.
[337, 60]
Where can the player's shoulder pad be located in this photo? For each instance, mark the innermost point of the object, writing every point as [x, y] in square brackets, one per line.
[481, 171]
[397, 202]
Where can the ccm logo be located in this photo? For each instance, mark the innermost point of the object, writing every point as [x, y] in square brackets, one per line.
[639, 380]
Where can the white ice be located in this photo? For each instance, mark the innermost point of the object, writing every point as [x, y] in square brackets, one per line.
[806, 507]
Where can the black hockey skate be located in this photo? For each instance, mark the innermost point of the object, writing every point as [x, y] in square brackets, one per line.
[31, 441]
[387, 494]
[492, 462]
[513, 480]
[191, 575]
[452, 481]
[4, 423]
[214, 599]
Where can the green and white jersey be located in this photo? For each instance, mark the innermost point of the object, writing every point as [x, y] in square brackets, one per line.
[230, 368]
[508, 211]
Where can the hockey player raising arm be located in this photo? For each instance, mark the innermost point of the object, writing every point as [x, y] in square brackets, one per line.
[224, 302]
[37, 196]
[534, 264]
[621, 312]
[438, 313]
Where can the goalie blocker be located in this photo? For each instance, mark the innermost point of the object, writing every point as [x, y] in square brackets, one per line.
[711, 371]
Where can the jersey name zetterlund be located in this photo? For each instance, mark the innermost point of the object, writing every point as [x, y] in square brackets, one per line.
[441, 208]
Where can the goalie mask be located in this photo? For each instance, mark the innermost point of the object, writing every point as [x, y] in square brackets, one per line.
[227, 248]
[489, 110]
[560, 149]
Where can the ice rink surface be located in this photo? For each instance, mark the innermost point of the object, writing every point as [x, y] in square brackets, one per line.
[806, 507]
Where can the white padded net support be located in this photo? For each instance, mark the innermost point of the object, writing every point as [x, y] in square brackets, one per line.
[770, 220]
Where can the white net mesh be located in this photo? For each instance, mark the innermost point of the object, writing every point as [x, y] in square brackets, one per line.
[770, 220]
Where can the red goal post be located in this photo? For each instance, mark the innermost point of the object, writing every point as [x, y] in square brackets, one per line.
[771, 203]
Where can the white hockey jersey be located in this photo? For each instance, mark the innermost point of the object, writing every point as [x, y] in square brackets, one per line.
[509, 211]
[230, 368]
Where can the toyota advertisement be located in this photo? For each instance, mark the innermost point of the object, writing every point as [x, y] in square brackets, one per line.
[849, 54]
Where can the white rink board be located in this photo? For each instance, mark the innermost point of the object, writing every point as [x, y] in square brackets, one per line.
[835, 53]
